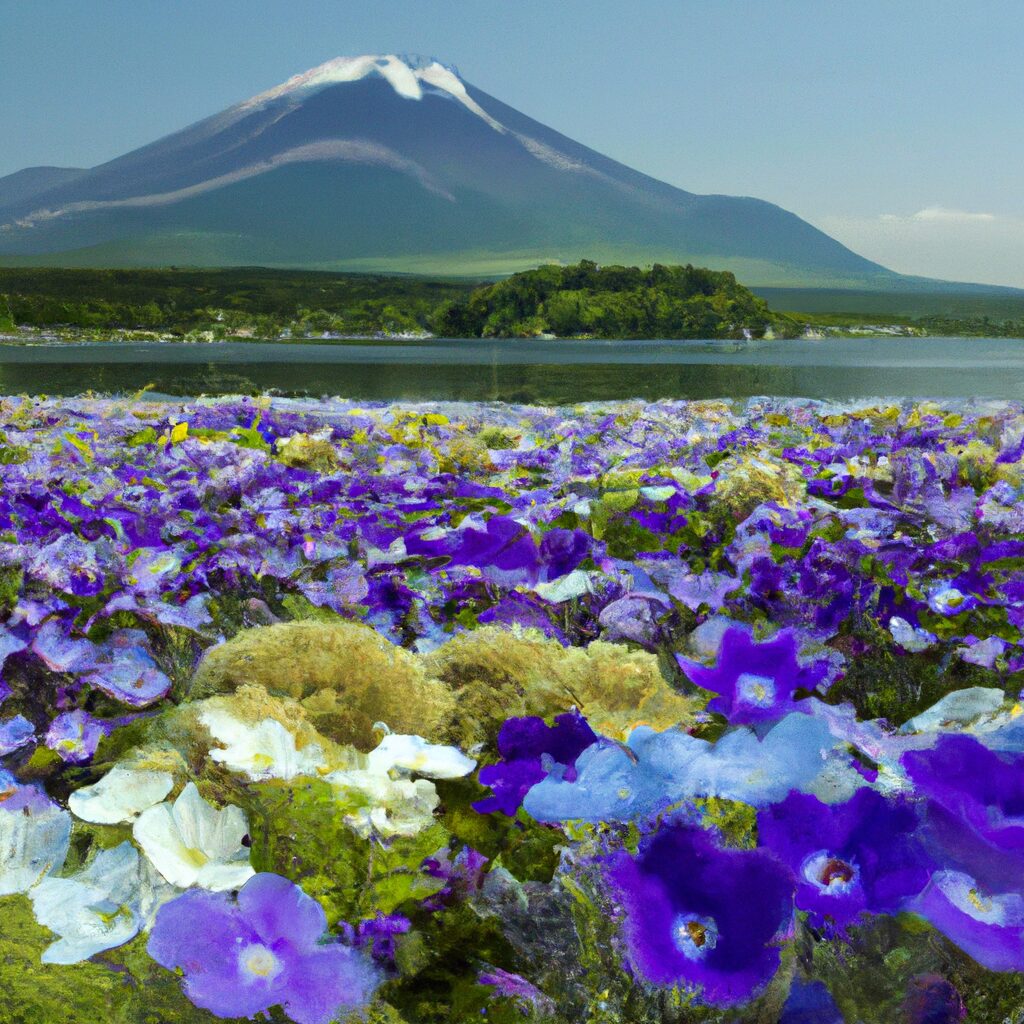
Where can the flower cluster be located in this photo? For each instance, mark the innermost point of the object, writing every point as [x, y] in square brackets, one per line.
[759, 698]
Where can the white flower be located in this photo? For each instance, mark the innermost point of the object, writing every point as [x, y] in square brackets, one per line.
[566, 588]
[263, 751]
[382, 797]
[385, 806]
[957, 708]
[120, 795]
[414, 754]
[96, 909]
[947, 600]
[191, 843]
[911, 638]
[34, 836]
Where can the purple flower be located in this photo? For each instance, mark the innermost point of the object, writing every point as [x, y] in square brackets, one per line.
[15, 733]
[561, 551]
[462, 874]
[75, 735]
[986, 925]
[529, 748]
[863, 855]
[633, 617]
[975, 811]
[706, 588]
[931, 999]
[126, 670]
[527, 996]
[9, 644]
[242, 955]
[68, 564]
[59, 651]
[756, 680]
[502, 548]
[702, 917]
[809, 1002]
[946, 599]
[377, 935]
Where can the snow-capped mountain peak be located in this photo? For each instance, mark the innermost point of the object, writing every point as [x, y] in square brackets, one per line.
[408, 74]
[392, 161]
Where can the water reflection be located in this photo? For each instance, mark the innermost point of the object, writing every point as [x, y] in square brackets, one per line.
[528, 372]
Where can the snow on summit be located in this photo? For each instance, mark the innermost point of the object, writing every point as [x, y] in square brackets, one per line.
[408, 74]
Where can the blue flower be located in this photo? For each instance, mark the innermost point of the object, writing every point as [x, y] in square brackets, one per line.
[700, 917]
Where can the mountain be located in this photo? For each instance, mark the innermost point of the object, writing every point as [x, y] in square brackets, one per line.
[395, 163]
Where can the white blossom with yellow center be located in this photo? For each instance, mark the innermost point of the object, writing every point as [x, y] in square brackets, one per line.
[266, 750]
[191, 843]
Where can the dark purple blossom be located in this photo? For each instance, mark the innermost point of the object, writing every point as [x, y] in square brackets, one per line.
[701, 917]
[529, 748]
[265, 947]
[809, 1002]
[975, 809]
[849, 858]
[378, 935]
[931, 999]
[561, 551]
[756, 681]
[462, 874]
[528, 610]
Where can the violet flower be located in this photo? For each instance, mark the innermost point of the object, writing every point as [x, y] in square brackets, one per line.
[240, 956]
[75, 735]
[701, 917]
[860, 856]
[809, 1002]
[529, 748]
[987, 925]
[377, 935]
[462, 875]
[756, 680]
[931, 999]
[975, 810]
[527, 997]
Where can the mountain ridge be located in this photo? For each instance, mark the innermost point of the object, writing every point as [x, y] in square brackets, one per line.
[394, 163]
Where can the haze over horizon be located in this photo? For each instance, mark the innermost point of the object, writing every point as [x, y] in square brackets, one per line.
[885, 128]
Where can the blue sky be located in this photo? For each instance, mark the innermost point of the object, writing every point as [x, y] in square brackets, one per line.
[896, 126]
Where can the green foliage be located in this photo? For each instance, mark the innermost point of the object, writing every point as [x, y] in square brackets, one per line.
[881, 683]
[585, 299]
[522, 846]
[610, 302]
[11, 581]
[136, 991]
[298, 831]
[249, 302]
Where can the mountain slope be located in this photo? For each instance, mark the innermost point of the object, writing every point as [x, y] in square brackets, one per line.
[396, 164]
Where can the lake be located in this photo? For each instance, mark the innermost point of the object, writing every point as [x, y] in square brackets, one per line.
[532, 371]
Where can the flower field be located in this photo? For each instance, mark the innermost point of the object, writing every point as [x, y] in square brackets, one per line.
[666, 712]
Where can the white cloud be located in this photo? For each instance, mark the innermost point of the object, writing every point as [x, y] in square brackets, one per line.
[943, 215]
[938, 241]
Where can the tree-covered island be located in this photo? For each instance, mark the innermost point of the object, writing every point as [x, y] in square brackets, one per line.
[584, 300]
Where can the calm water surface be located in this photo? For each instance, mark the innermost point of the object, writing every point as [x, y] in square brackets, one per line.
[528, 371]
